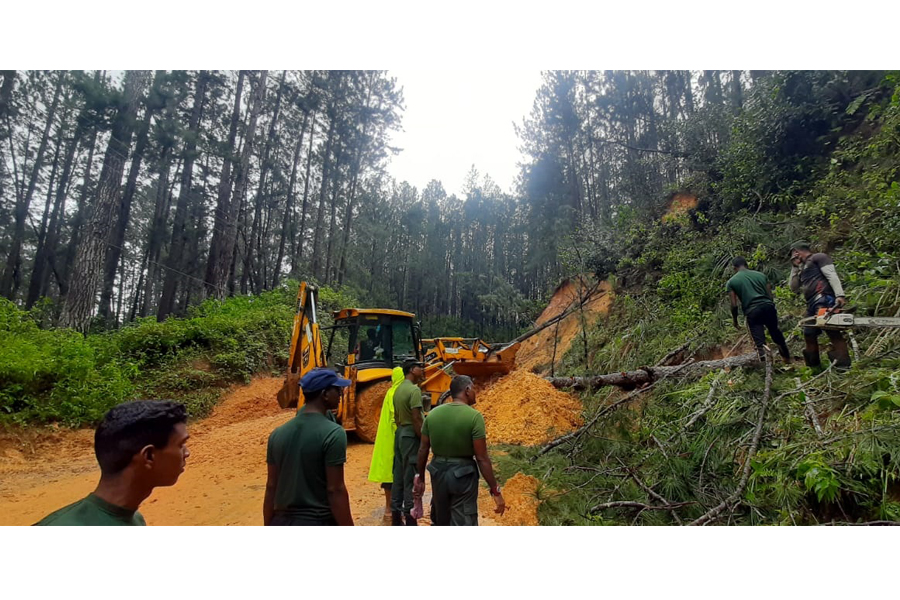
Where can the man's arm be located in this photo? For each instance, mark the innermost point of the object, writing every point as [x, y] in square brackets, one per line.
[734, 307]
[421, 461]
[269, 501]
[794, 278]
[487, 471]
[417, 420]
[831, 275]
[338, 498]
[769, 290]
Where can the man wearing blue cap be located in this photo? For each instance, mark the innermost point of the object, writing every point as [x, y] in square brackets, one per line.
[306, 457]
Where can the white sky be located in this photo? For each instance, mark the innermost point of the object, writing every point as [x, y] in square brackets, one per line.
[454, 119]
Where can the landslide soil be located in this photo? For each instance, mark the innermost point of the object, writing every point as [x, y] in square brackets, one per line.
[223, 482]
[537, 352]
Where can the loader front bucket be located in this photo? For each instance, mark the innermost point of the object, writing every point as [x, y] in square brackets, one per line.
[479, 369]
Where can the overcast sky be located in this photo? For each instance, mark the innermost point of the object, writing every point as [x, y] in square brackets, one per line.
[454, 119]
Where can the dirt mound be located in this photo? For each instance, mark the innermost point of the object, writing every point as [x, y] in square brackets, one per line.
[521, 501]
[525, 409]
[536, 353]
[24, 450]
[241, 402]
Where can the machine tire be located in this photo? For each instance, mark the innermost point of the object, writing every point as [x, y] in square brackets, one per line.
[369, 400]
[443, 398]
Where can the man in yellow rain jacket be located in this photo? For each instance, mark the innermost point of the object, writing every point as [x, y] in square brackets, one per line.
[381, 469]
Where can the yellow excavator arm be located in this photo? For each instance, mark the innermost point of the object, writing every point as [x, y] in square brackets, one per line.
[306, 346]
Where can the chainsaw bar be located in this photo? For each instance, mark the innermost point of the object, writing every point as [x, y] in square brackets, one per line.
[847, 321]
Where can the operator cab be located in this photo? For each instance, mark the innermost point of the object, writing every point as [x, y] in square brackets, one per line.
[370, 338]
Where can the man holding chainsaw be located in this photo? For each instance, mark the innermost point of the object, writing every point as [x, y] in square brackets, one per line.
[814, 275]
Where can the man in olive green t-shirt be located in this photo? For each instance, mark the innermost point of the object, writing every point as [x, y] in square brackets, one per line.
[455, 432]
[408, 415]
[306, 456]
[139, 446]
[755, 295]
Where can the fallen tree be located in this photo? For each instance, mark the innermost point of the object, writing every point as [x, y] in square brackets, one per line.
[646, 375]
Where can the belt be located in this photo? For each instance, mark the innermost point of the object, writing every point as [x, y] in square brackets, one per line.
[453, 460]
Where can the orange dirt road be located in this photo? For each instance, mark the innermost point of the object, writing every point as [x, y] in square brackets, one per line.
[223, 482]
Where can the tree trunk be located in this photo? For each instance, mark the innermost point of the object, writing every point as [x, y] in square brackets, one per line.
[176, 260]
[12, 276]
[336, 187]
[297, 254]
[354, 179]
[253, 244]
[117, 243]
[646, 375]
[323, 191]
[737, 96]
[6, 89]
[287, 218]
[48, 221]
[46, 254]
[688, 86]
[223, 266]
[91, 254]
[157, 229]
[78, 219]
[216, 247]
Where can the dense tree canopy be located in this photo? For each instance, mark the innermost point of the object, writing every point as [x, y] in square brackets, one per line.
[143, 195]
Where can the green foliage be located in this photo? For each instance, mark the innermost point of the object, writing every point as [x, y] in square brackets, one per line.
[61, 376]
[54, 375]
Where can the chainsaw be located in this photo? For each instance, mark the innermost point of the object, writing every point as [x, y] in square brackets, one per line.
[828, 319]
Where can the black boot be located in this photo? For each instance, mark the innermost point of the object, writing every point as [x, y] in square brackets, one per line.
[841, 353]
[396, 518]
[811, 358]
[409, 519]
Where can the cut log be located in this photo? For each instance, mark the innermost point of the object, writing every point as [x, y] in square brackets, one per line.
[651, 374]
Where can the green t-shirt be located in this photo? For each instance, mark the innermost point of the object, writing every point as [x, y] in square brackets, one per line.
[452, 428]
[93, 510]
[407, 397]
[750, 287]
[301, 449]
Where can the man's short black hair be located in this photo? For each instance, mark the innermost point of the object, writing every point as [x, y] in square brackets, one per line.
[408, 366]
[459, 384]
[738, 262]
[128, 427]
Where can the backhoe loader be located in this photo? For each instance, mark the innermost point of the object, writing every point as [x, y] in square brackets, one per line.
[364, 345]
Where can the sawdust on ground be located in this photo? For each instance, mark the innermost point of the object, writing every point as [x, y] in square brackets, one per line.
[524, 409]
[223, 483]
[537, 352]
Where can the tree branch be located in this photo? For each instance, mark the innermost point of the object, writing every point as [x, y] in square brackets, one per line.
[640, 505]
[707, 406]
[606, 410]
[733, 499]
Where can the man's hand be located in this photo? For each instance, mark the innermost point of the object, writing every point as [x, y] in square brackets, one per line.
[501, 504]
[839, 302]
[418, 486]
